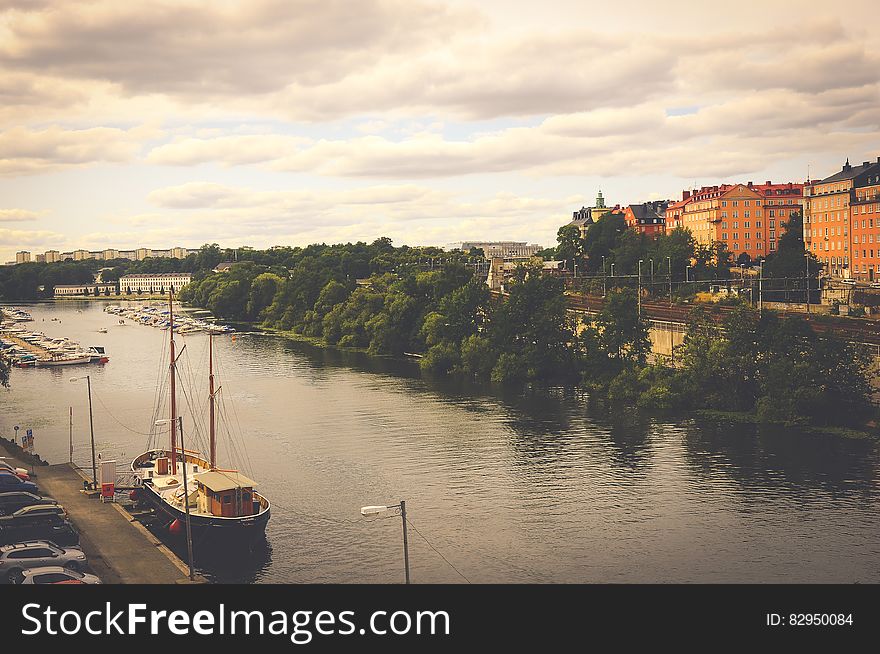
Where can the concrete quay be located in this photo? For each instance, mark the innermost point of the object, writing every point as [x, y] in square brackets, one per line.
[120, 550]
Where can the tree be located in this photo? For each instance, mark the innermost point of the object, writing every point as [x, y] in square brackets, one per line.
[788, 266]
[623, 334]
[601, 238]
[570, 248]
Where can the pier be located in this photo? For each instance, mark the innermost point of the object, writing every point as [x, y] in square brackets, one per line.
[120, 550]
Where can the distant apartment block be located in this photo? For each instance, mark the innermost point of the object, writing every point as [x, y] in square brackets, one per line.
[53, 256]
[842, 221]
[22, 257]
[154, 283]
[748, 218]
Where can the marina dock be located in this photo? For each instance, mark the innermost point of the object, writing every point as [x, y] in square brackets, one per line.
[120, 550]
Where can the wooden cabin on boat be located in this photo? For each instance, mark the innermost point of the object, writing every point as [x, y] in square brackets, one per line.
[227, 494]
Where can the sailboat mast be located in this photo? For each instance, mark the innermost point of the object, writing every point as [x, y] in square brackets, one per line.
[173, 390]
[213, 458]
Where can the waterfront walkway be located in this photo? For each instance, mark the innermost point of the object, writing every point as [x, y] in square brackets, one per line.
[119, 549]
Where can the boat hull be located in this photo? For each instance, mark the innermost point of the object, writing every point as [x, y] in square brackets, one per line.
[208, 532]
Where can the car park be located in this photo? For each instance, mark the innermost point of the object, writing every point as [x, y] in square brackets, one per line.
[12, 501]
[18, 557]
[19, 472]
[11, 482]
[37, 526]
[56, 574]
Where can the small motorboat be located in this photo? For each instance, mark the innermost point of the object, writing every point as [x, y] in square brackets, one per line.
[103, 330]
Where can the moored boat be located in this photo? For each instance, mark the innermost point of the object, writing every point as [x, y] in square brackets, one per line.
[223, 506]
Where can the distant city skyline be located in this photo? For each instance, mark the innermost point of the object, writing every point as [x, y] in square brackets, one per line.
[287, 123]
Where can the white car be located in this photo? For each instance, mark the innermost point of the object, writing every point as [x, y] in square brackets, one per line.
[55, 574]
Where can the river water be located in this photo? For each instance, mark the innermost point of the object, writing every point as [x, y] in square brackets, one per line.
[536, 486]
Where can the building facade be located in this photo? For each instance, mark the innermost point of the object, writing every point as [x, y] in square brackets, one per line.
[747, 218]
[22, 257]
[648, 218]
[74, 290]
[159, 283]
[841, 221]
[503, 249]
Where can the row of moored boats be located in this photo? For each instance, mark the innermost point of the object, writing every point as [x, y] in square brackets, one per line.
[25, 348]
[160, 318]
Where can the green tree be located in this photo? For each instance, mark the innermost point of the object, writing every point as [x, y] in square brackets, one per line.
[623, 334]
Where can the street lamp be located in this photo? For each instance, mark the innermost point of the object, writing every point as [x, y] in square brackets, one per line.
[612, 269]
[189, 543]
[604, 279]
[669, 263]
[807, 278]
[761, 288]
[376, 510]
[639, 288]
[91, 427]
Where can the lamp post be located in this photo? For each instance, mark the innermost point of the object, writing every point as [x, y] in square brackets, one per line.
[761, 288]
[807, 277]
[612, 269]
[639, 288]
[376, 510]
[189, 542]
[91, 427]
[669, 262]
[604, 278]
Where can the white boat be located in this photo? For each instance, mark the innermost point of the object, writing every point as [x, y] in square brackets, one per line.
[63, 360]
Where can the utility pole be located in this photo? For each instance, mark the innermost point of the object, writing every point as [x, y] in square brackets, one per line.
[189, 540]
[405, 543]
[669, 261]
[639, 288]
[92, 430]
[761, 288]
[807, 277]
[70, 459]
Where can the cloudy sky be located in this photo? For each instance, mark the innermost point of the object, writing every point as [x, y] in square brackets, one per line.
[263, 122]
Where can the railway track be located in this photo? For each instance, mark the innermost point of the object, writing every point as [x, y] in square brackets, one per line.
[867, 332]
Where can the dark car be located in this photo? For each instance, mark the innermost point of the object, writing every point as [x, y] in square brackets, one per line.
[30, 525]
[12, 501]
[10, 482]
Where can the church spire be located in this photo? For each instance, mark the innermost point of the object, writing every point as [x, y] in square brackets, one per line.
[600, 201]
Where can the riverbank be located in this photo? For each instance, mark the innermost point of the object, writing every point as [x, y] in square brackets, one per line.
[718, 416]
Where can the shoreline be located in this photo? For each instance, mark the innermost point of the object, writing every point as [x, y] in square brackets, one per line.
[715, 415]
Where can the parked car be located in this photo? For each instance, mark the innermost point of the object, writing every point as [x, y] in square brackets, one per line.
[12, 501]
[37, 526]
[19, 472]
[11, 482]
[34, 511]
[18, 557]
[56, 574]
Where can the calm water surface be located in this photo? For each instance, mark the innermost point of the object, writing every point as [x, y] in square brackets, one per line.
[535, 487]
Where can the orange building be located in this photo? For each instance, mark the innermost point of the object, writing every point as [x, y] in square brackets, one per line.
[648, 218]
[748, 218]
[841, 215]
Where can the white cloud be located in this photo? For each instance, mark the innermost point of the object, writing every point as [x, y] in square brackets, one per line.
[17, 215]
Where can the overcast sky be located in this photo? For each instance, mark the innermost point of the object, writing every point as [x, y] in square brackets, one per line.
[155, 124]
